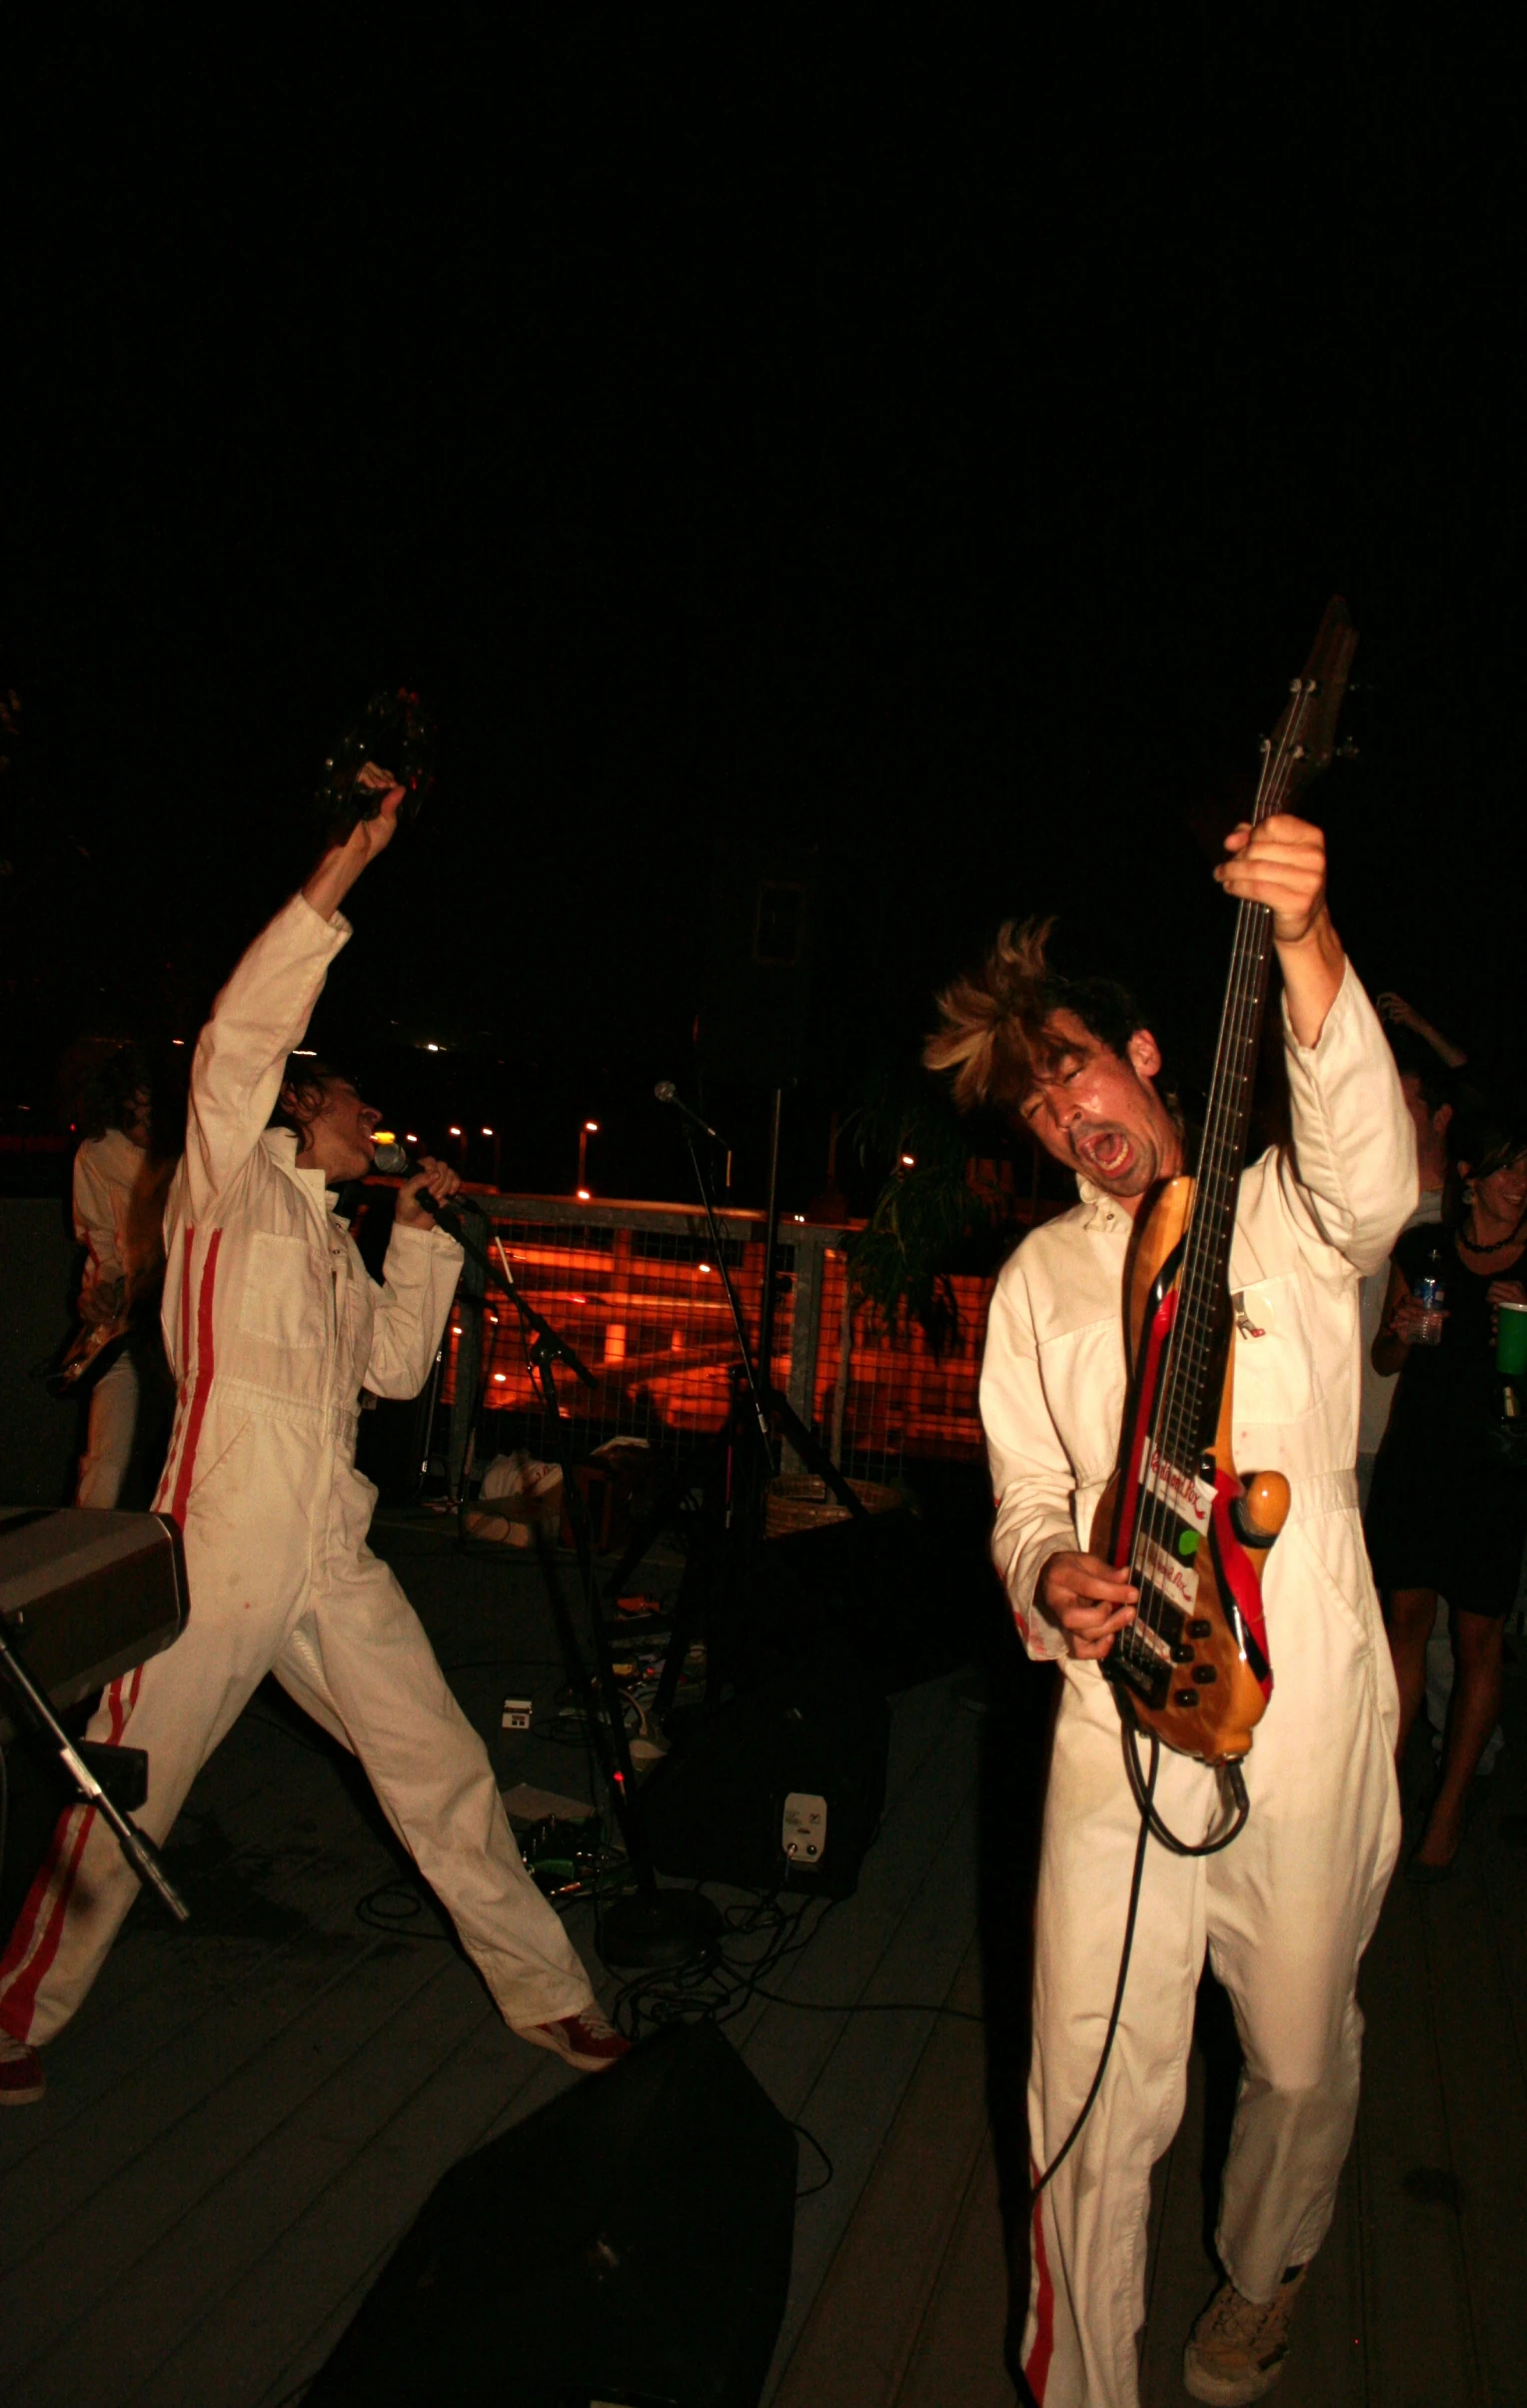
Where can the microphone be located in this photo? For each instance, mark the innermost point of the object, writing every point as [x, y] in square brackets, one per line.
[396, 1162]
[668, 1093]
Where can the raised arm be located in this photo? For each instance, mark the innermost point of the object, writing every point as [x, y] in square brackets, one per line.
[263, 1013]
[1352, 1177]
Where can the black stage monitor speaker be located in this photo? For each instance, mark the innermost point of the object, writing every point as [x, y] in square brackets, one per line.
[630, 2244]
[782, 1789]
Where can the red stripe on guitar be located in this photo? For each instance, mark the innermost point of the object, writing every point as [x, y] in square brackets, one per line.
[1133, 1467]
[1240, 1578]
[204, 1369]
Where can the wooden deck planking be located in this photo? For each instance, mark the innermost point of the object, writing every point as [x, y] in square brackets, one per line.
[243, 2125]
[175, 2039]
[865, 2325]
[1481, 2076]
[958, 2353]
[852, 2102]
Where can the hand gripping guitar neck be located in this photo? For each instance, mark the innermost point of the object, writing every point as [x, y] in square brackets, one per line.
[1194, 1666]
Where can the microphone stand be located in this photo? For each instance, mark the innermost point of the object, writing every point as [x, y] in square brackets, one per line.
[738, 1463]
[655, 1928]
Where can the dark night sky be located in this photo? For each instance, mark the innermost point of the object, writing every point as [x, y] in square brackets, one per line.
[863, 426]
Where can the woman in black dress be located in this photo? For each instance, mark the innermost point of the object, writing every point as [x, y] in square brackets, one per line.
[1448, 1509]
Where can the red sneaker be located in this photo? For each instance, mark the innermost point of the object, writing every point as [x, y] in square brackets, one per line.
[21, 2077]
[585, 2040]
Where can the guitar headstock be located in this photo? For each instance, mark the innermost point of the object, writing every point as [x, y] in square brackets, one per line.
[1304, 739]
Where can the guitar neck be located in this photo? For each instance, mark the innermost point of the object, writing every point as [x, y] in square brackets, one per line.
[1300, 747]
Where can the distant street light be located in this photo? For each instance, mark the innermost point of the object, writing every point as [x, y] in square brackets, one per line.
[590, 1128]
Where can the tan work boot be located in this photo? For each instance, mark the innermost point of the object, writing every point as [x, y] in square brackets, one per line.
[1236, 2350]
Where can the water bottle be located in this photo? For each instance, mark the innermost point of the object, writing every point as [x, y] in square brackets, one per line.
[1431, 1296]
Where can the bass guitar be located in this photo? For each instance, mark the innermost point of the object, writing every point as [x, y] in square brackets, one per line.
[1193, 1666]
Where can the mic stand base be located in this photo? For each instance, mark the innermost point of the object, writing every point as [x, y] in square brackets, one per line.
[658, 1930]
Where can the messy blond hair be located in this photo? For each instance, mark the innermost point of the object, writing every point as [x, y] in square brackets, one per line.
[994, 1024]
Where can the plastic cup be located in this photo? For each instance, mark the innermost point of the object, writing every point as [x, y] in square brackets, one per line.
[1511, 1338]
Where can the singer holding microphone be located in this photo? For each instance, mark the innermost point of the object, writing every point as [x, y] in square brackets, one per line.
[273, 1328]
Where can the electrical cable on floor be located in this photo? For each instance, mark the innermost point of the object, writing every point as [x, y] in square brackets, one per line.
[811, 2141]
[871, 2006]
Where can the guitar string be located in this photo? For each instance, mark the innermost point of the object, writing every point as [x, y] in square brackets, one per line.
[1230, 1111]
[1165, 1429]
[1183, 1376]
[1191, 1336]
[1182, 1385]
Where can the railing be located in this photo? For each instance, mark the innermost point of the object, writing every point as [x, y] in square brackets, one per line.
[635, 1290]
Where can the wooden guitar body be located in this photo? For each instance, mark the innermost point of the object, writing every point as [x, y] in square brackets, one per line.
[1194, 1539]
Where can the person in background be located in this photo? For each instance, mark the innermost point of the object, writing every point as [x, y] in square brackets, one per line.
[1427, 1088]
[1400, 1014]
[1448, 1509]
[121, 1179]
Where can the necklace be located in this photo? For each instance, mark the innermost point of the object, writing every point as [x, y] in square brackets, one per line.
[1500, 1244]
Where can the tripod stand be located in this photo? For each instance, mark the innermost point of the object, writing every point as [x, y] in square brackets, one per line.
[655, 1927]
[733, 1469]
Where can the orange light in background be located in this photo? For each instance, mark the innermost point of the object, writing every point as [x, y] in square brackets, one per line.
[584, 1196]
[453, 1132]
[593, 1127]
[409, 1138]
[500, 1377]
[487, 1132]
[431, 1049]
[177, 1040]
[911, 1161]
[702, 1266]
[384, 1136]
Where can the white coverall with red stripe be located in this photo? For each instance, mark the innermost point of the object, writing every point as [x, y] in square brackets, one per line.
[1287, 1909]
[117, 1205]
[272, 1327]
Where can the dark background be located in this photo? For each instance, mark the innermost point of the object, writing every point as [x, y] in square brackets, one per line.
[920, 434]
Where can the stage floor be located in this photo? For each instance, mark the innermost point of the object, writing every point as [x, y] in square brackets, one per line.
[245, 2117]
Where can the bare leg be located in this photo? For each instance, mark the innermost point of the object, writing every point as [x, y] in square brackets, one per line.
[1478, 1648]
[1411, 1615]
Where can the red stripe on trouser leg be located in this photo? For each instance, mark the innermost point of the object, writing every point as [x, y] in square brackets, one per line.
[29, 1956]
[204, 1369]
[1036, 2371]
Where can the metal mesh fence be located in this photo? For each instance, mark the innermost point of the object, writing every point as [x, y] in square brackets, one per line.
[636, 1292]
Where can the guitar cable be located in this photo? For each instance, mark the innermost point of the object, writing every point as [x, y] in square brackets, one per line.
[1143, 1787]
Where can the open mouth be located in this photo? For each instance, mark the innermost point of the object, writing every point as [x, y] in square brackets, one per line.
[1107, 1152]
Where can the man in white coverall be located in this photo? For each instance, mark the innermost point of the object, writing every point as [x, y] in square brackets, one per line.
[1287, 1909]
[273, 1327]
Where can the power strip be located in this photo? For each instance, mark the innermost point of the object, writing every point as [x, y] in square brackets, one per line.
[803, 1827]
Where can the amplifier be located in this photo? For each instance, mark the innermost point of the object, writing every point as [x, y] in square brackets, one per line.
[85, 1596]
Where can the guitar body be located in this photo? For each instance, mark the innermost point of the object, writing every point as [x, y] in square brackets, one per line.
[1191, 1533]
[87, 1358]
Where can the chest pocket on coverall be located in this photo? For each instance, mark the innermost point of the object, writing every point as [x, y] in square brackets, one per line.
[286, 1292]
[1274, 1380]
